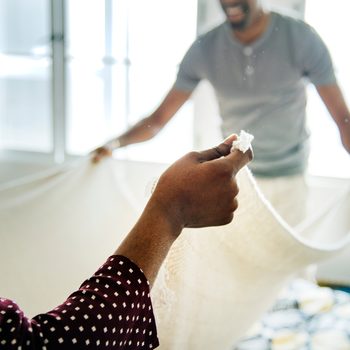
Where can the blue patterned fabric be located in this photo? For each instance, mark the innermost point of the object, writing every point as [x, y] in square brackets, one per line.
[305, 317]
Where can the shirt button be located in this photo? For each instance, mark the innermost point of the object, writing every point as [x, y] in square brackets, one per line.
[247, 51]
[249, 70]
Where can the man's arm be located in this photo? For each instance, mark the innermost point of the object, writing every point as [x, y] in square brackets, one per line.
[148, 127]
[334, 100]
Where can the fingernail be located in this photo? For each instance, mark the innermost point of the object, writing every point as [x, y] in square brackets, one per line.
[228, 140]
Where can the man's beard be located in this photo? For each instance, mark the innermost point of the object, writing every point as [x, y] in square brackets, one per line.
[244, 22]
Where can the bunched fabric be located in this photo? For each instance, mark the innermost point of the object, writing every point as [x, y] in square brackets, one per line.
[223, 279]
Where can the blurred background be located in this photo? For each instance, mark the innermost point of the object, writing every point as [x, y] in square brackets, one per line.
[74, 73]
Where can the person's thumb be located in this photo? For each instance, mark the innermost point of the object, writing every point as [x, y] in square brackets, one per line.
[219, 151]
[238, 159]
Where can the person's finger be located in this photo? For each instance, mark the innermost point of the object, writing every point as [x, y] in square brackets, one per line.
[237, 159]
[219, 151]
[100, 153]
[96, 158]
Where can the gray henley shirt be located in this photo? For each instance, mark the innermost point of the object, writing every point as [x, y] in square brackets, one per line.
[260, 87]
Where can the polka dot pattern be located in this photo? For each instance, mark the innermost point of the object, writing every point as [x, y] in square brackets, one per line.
[111, 310]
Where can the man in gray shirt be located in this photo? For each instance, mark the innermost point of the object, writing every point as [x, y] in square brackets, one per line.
[258, 63]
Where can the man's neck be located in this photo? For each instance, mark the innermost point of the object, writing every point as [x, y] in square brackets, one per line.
[255, 29]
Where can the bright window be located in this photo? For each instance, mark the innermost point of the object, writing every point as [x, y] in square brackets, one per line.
[113, 61]
[25, 76]
[121, 67]
[328, 156]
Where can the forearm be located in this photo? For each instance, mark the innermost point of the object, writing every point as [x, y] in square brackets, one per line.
[343, 122]
[337, 107]
[150, 240]
[148, 127]
[342, 119]
[142, 131]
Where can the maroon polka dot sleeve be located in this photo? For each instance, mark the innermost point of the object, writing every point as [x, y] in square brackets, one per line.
[111, 310]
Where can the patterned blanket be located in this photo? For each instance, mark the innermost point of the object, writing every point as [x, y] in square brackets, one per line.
[305, 317]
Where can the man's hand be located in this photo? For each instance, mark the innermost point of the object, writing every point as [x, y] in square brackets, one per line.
[200, 189]
[101, 152]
